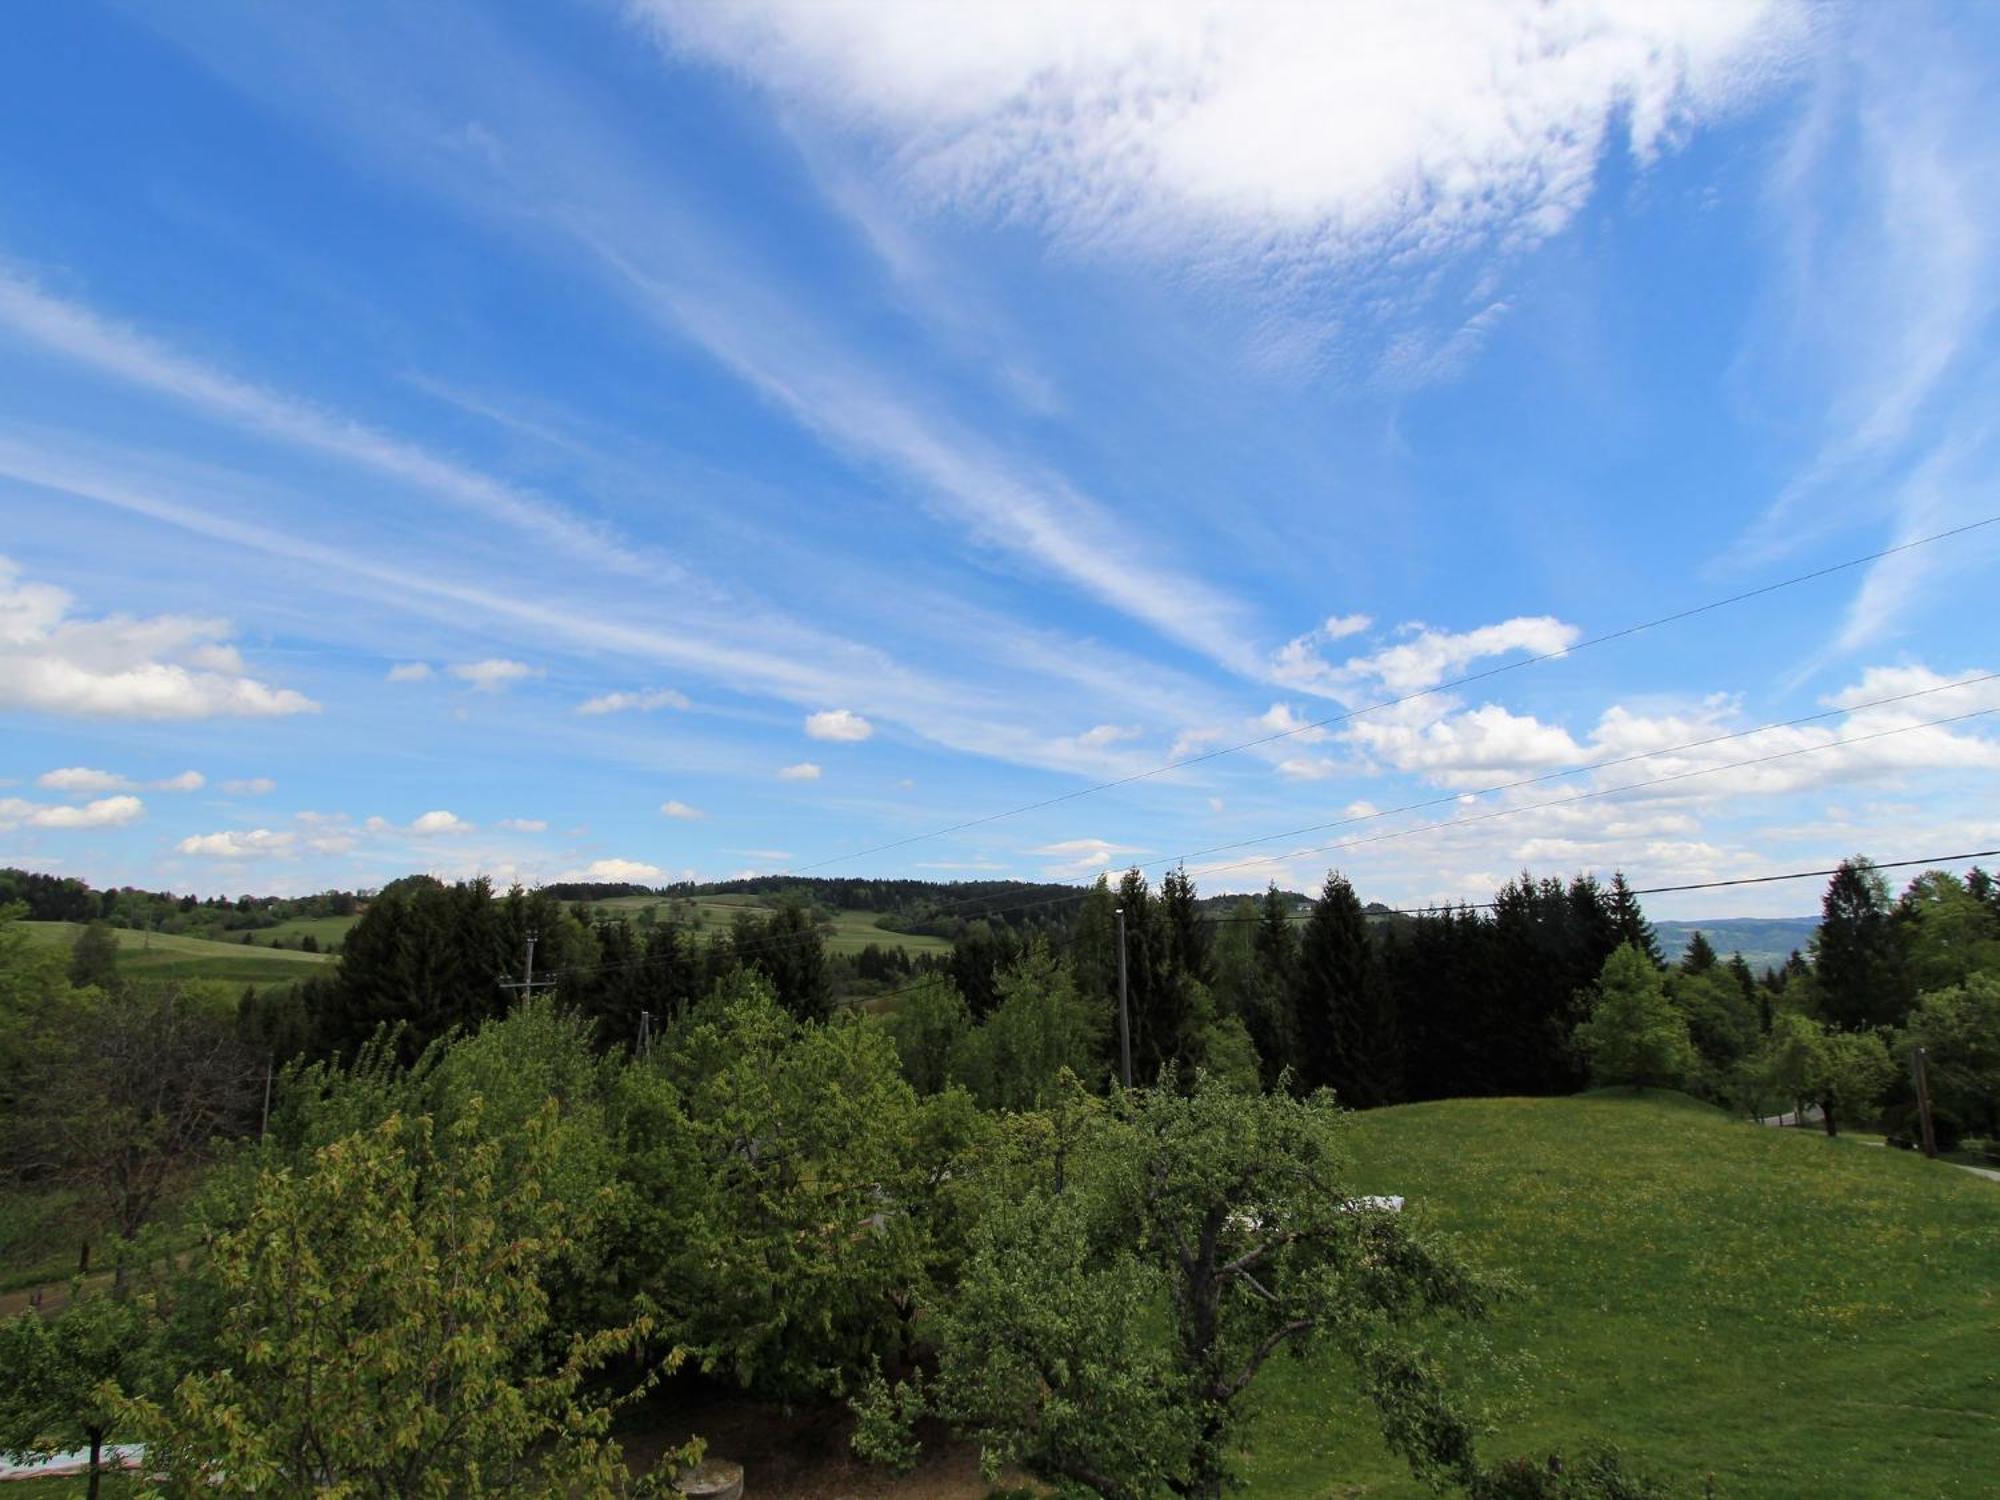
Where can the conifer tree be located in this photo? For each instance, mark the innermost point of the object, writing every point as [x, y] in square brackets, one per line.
[1858, 969]
[1630, 922]
[1700, 956]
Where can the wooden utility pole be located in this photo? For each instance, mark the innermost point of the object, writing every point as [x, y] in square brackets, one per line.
[1920, 1062]
[525, 986]
[1124, 1009]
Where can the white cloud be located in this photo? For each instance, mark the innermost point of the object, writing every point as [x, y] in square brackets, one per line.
[640, 702]
[428, 824]
[1082, 856]
[1194, 740]
[85, 779]
[838, 724]
[410, 671]
[1477, 744]
[805, 770]
[118, 666]
[238, 844]
[1215, 130]
[105, 812]
[1283, 719]
[1311, 768]
[493, 674]
[82, 779]
[525, 825]
[1101, 735]
[1428, 657]
[674, 809]
[1215, 804]
[626, 871]
[250, 786]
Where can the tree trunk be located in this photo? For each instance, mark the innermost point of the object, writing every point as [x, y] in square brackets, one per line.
[83, 1259]
[96, 1451]
[1826, 1116]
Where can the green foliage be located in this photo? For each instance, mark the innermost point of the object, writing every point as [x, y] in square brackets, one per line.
[1016, 1057]
[781, 1176]
[382, 1316]
[1634, 1035]
[1959, 1028]
[1948, 933]
[1598, 1474]
[1124, 1291]
[61, 1378]
[930, 1026]
[93, 957]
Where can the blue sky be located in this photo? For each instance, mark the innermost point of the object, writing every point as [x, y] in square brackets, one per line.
[642, 441]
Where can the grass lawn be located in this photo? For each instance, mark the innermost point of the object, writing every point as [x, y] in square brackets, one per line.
[1799, 1316]
[159, 955]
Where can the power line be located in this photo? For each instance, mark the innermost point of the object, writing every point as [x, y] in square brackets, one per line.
[1443, 687]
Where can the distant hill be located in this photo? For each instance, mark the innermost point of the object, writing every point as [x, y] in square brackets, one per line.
[1764, 942]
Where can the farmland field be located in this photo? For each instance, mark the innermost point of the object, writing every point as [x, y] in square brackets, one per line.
[326, 931]
[159, 955]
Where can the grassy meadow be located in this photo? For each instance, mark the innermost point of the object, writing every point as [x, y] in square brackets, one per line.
[159, 955]
[1796, 1315]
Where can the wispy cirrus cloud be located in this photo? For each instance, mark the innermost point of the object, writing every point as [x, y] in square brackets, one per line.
[77, 332]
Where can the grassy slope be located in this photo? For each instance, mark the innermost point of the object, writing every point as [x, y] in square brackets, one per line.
[160, 955]
[1799, 1316]
[852, 930]
[326, 931]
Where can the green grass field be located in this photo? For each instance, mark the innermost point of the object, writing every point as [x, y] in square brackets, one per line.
[852, 930]
[326, 931]
[1798, 1316]
[159, 955]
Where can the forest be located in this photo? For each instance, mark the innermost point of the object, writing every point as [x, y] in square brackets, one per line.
[720, 1158]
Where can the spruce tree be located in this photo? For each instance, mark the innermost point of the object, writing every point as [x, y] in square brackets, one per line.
[1330, 991]
[1861, 979]
[1630, 922]
[1700, 956]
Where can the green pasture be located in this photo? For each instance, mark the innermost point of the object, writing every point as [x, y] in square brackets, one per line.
[159, 955]
[1795, 1315]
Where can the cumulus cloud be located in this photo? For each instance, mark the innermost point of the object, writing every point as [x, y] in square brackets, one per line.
[105, 812]
[629, 871]
[493, 674]
[805, 770]
[250, 786]
[238, 844]
[1209, 129]
[186, 781]
[639, 702]
[674, 809]
[429, 824]
[838, 724]
[1423, 659]
[410, 671]
[122, 667]
[1462, 746]
[525, 825]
